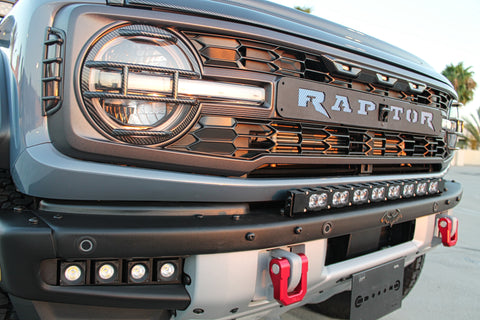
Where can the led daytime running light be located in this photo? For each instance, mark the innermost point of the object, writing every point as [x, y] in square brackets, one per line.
[209, 90]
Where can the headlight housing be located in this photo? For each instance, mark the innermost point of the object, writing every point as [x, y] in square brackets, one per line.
[129, 85]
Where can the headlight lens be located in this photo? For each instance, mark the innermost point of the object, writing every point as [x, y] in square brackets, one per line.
[115, 85]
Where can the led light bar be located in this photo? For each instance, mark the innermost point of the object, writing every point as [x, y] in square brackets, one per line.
[325, 198]
[210, 90]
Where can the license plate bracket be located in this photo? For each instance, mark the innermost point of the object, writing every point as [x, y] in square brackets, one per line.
[377, 291]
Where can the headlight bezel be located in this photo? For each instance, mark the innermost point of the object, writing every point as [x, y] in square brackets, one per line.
[185, 109]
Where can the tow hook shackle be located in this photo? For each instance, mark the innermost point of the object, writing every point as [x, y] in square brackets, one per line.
[448, 227]
[288, 270]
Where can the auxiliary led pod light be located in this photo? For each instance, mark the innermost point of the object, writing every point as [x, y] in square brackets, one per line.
[121, 272]
[324, 198]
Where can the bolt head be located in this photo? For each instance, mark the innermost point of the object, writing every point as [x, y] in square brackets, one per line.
[275, 268]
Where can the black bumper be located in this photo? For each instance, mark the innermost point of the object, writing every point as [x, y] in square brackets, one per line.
[29, 237]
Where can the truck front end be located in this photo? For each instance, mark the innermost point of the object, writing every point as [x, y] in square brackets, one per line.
[214, 160]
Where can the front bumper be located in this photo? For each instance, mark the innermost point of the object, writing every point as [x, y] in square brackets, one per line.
[221, 252]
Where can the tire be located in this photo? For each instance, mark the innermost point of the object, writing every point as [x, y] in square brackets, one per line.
[6, 308]
[9, 196]
[338, 306]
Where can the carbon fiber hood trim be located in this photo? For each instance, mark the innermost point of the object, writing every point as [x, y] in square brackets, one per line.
[270, 15]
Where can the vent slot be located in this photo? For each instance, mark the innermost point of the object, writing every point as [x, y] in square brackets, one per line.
[248, 139]
[53, 70]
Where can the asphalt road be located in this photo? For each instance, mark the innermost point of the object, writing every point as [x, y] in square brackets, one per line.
[449, 286]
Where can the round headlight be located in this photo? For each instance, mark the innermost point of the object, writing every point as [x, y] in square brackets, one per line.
[129, 85]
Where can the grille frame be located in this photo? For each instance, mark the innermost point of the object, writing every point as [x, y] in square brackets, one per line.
[79, 140]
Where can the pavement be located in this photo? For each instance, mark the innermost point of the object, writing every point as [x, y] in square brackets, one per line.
[449, 285]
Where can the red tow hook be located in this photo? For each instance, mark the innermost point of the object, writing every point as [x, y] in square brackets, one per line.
[280, 273]
[448, 227]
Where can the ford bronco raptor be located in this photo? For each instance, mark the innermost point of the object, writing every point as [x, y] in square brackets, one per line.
[214, 159]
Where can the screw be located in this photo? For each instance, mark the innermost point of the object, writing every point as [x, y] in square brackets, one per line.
[18, 209]
[250, 236]
[199, 216]
[33, 220]
[236, 217]
[198, 311]
[358, 301]
[458, 198]
[396, 286]
[275, 268]
[58, 216]
[298, 230]
[447, 201]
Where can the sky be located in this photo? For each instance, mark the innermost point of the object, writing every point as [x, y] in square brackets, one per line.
[440, 32]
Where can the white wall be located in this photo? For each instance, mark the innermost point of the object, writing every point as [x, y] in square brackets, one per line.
[466, 157]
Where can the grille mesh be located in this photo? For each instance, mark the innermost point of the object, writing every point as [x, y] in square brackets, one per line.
[246, 54]
[248, 139]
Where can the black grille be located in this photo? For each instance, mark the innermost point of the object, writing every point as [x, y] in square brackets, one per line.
[249, 139]
[246, 54]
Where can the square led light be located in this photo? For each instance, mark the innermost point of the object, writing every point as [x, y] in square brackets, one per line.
[409, 189]
[394, 191]
[340, 197]
[318, 200]
[421, 188]
[107, 272]
[360, 195]
[169, 271]
[139, 271]
[379, 193]
[434, 187]
[72, 273]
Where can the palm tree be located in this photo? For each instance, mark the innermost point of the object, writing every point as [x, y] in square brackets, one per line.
[304, 9]
[462, 80]
[472, 125]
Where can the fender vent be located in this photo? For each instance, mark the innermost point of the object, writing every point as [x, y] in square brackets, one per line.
[53, 71]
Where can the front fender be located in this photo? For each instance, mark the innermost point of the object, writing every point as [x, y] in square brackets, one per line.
[5, 103]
